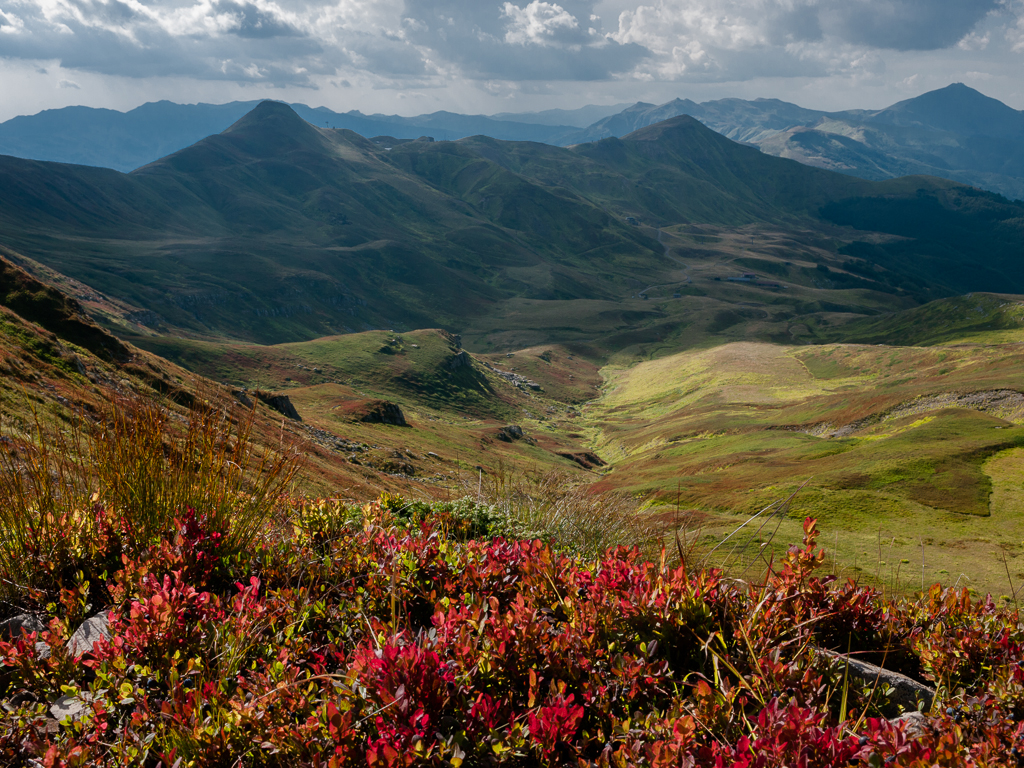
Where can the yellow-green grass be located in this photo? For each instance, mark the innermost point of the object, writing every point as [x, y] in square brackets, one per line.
[879, 438]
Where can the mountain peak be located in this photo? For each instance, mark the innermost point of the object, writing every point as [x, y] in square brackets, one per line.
[271, 129]
[957, 108]
[267, 111]
[274, 128]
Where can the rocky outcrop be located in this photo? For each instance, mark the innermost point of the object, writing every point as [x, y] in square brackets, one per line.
[279, 403]
[372, 412]
[384, 412]
[458, 361]
[57, 312]
[586, 459]
[510, 434]
[515, 379]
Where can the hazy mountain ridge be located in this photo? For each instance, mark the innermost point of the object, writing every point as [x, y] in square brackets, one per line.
[128, 140]
[955, 132]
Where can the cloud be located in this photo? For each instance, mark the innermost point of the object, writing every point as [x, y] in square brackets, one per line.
[506, 41]
[68, 84]
[1015, 32]
[539, 23]
[903, 25]
[711, 38]
[974, 41]
[241, 40]
[251, 21]
[417, 43]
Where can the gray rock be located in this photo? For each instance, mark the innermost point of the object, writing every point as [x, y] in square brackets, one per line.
[91, 631]
[459, 360]
[42, 650]
[384, 412]
[907, 692]
[510, 433]
[22, 623]
[71, 707]
[916, 724]
[240, 396]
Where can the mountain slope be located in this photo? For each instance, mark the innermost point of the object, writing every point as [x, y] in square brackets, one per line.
[277, 230]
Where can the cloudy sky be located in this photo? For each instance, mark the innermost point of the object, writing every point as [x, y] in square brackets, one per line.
[485, 56]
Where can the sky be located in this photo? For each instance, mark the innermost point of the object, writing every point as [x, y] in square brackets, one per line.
[484, 56]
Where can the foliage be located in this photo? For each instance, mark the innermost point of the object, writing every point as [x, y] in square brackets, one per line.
[73, 501]
[392, 642]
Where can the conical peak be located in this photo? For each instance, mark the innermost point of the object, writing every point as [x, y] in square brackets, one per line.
[265, 111]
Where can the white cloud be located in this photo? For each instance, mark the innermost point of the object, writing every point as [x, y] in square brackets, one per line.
[68, 84]
[1015, 31]
[975, 41]
[717, 37]
[539, 23]
[9, 23]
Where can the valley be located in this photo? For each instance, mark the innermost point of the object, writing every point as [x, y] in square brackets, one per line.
[668, 314]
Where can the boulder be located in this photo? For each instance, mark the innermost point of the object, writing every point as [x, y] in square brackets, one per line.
[240, 396]
[915, 724]
[511, 433]
[23, 623]
[280, 403]
[372, 412]
[907, 693]
[586, 459]
[89, 633]
[71, 707]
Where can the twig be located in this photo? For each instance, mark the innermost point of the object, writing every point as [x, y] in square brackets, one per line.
[783, 503]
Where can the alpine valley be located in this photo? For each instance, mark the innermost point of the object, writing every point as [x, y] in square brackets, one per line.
[666, 312]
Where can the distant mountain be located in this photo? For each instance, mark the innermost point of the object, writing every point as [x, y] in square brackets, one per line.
[955, 109]
[125, 141]
[579, 118]
[279, 230]
[955, 133]
[748, 121]
[640, 115]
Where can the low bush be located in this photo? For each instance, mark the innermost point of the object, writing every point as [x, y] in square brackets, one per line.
[382, 640]
[246, 629]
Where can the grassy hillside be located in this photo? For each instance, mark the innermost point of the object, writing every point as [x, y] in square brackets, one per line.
[454, 407]
[915, 445]
[980, 317]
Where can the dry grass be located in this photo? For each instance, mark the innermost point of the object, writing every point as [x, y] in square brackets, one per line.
[74, 496]
[559, 508]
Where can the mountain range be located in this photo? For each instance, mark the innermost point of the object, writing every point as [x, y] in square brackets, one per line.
[955, 132]
[278, 230]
